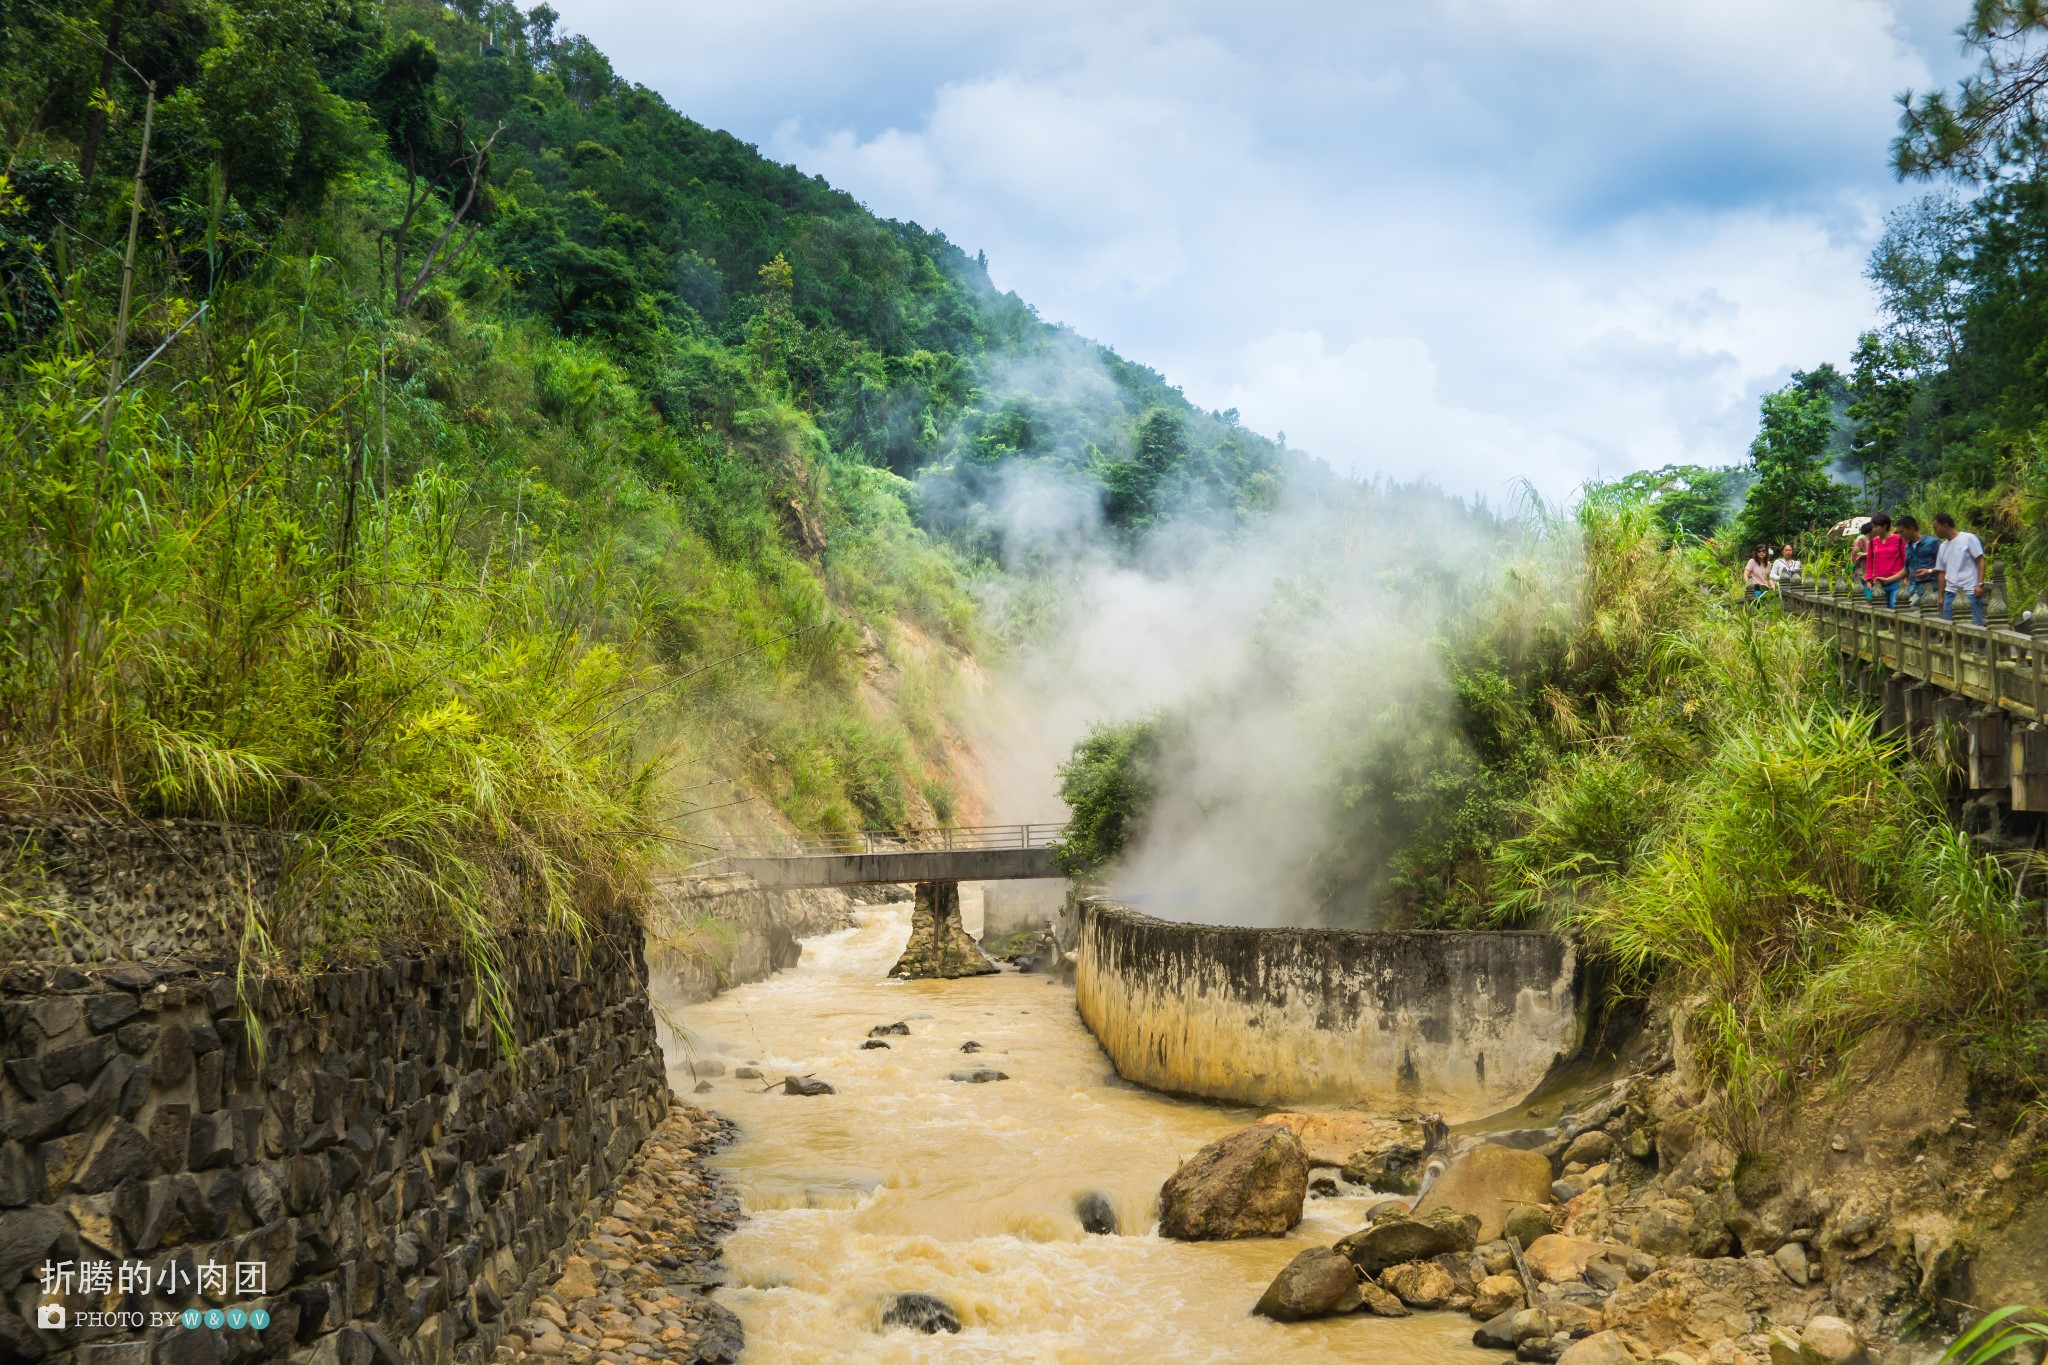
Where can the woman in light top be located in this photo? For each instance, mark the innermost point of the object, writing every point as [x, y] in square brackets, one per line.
[1786, 566]
[1756, 574]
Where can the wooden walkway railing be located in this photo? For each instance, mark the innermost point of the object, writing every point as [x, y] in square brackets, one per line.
[1976, 694]
[1998, 663]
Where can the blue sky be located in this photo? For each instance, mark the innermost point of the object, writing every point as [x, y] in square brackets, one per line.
[1478, 241]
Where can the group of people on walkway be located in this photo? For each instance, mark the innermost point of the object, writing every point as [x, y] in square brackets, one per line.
[1894, 563]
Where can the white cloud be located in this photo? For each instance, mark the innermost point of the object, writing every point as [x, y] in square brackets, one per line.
[1483, 239]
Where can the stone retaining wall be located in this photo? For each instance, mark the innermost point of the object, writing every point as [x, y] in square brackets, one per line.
[1461, 1023]
[116, 890]
[404, 1187]
[709, 934]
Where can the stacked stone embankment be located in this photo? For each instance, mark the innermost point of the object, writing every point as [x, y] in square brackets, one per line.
[375, 1170]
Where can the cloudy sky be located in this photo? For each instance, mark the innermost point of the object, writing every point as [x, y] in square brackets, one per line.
[1473, 240]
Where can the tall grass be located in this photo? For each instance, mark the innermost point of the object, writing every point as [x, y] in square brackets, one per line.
[221, 613]
[443, 598]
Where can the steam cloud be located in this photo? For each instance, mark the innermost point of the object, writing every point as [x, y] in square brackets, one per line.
[1288, 654]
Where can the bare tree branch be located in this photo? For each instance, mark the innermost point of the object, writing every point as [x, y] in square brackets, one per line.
[471, 164]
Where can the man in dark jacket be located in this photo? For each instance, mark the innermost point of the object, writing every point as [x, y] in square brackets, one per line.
[1920, 552]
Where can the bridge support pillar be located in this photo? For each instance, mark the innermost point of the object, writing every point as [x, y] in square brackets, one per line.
[2030, 767]
[1990, 765]
[1893, 717]
[939, 944]
[1920, 702]
[1949, 745]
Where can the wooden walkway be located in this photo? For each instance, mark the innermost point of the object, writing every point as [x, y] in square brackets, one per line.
[1928, 672]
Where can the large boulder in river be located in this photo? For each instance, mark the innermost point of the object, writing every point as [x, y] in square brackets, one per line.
[1336, 1139]
[1488, 1181]
[1314, 1284]
[1249, 1184]
[1394, 1240]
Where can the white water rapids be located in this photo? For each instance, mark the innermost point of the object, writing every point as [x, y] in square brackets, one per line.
[905, 1181]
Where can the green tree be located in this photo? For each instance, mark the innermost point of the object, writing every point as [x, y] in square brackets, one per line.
[1792, 492]
[1882, 391]
[1688, 499]
[1109, 785]
[1159, 446]
[1994, 120]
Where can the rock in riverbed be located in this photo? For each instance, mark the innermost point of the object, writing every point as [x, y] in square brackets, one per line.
[1558, 1258]
[671, 1212]
[872, 1044]
[1497, 1333]
[1602, 1348]
[1096, 1213]
[898, 1029]
[1315, 1284]
[921, 1313]
[1488, 1181]
[803, 1085]
[1496, 1294]
[1380, 1303]
[1248, 1184]
[1526, 1222]
[1394, 1240]
[978, 1076]
[1333, 1139]
[1419, 1284]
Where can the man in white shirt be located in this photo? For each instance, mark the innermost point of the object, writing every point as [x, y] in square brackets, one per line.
[1959, 567]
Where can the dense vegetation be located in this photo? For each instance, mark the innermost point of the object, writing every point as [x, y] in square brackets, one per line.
[423, 442]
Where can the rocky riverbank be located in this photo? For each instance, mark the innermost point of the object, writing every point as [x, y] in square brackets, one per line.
[637, 1289]
[1855, 1222]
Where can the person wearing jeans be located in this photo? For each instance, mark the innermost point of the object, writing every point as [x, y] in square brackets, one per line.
[1960, 568]
[1920, 555]
[1884, 561]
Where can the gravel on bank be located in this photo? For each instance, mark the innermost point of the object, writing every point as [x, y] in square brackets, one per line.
[636, 1290]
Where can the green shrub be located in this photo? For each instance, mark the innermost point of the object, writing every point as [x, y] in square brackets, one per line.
[1109, 786]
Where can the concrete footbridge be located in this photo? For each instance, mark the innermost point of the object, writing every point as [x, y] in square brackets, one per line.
[935, 862]
[981, 853]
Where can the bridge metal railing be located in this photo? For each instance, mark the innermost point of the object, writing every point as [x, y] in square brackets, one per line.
[1999, 663]
[968, 837]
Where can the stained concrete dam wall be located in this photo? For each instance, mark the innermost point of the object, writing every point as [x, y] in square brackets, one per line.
[1460, 1023]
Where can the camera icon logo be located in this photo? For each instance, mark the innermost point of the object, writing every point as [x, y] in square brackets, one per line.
[50, 1316]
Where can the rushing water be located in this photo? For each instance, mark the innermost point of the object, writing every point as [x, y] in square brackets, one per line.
[906, 1181]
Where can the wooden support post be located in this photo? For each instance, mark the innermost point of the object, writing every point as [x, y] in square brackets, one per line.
[2029, 767]
[1990, 764]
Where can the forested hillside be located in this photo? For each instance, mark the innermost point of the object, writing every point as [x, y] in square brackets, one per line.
[421, 440]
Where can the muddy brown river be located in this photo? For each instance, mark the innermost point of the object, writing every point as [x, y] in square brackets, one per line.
[905, 1181]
